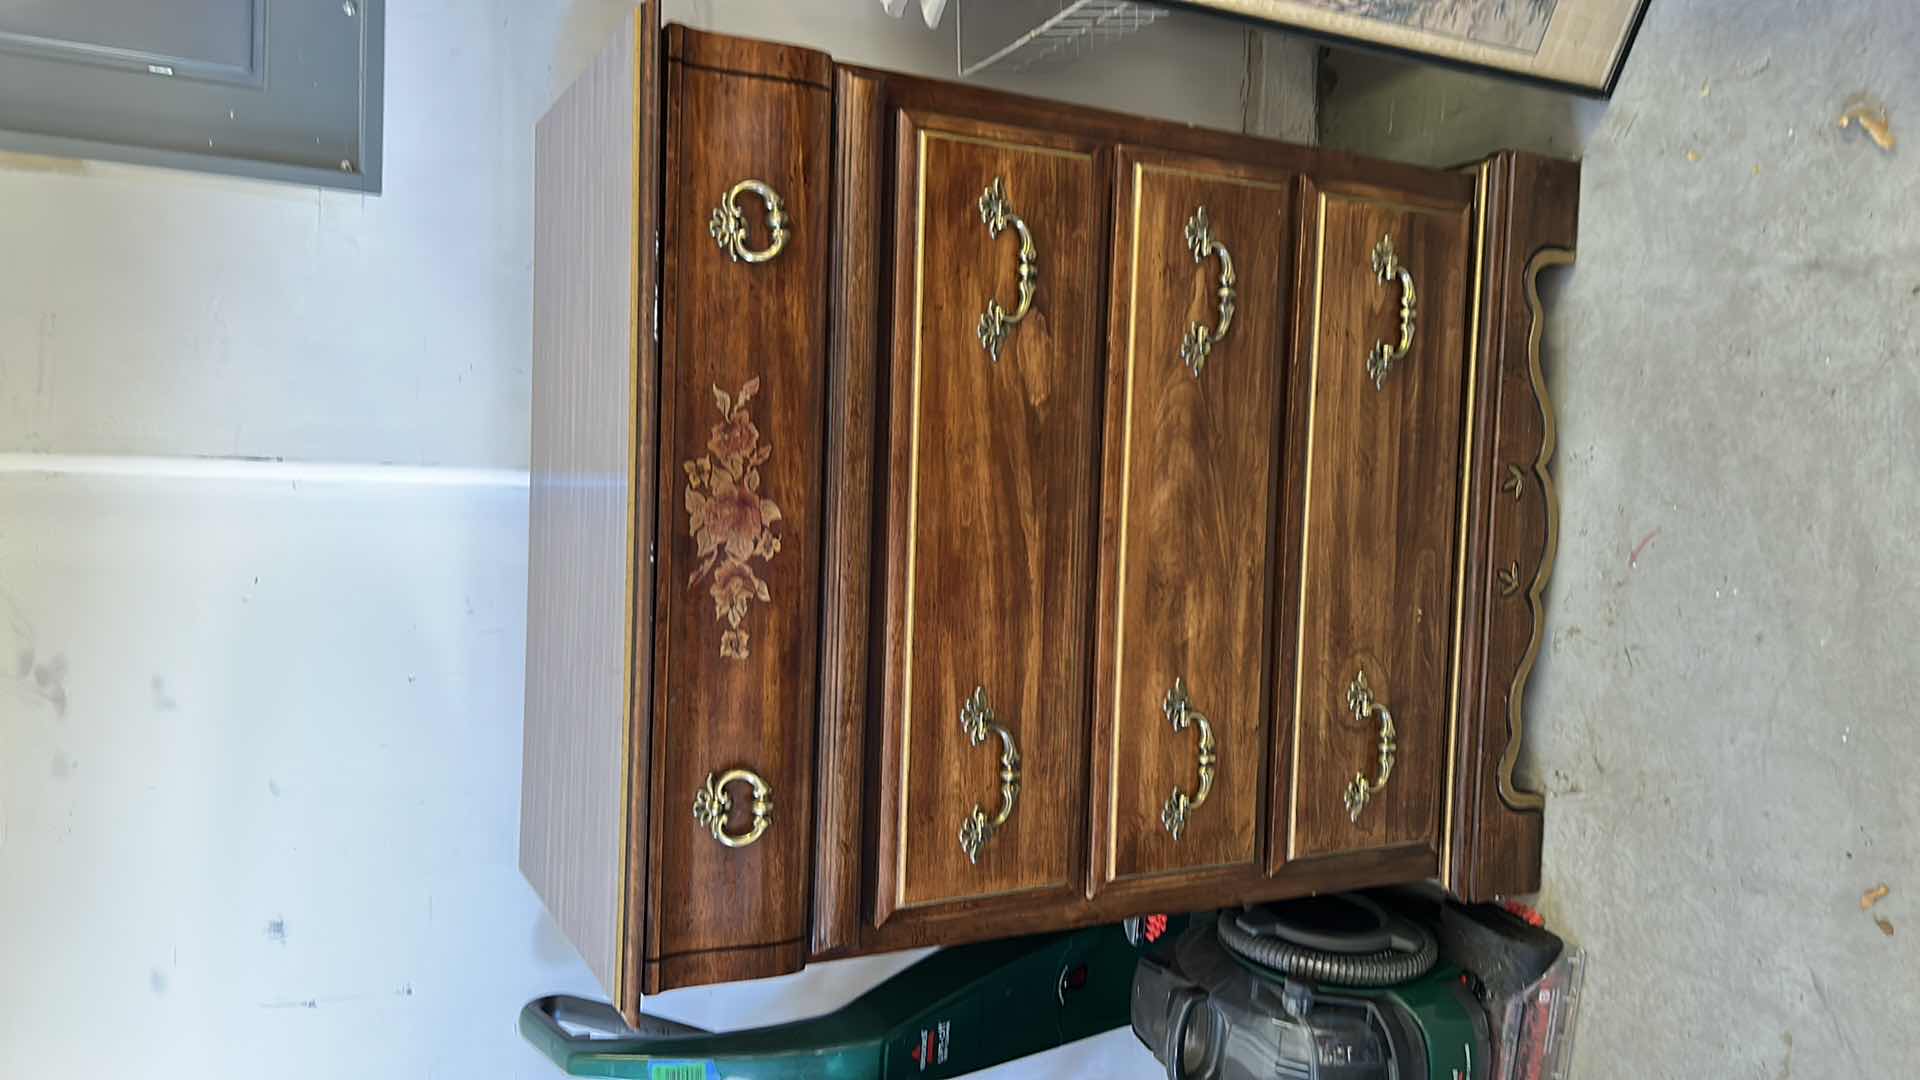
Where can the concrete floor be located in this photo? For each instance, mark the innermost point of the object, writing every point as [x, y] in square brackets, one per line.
[1724, 724]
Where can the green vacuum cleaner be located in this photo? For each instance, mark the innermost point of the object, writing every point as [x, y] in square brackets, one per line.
[1345, 987]
[957, 1011]
[1327, 988]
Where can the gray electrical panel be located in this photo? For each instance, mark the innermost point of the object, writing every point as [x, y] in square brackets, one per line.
[274, 89]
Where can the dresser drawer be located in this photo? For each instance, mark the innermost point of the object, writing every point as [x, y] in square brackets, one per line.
[994, 401]
[736, 631]
[1197, 359]
[1368, 723]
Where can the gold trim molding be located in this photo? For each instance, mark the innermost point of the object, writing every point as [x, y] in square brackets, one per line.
[1510, 793]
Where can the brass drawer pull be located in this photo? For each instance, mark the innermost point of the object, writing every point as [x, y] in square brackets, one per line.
[712, 804]
[728, 226]
[1359, 789]
[997, 213]
[1199, 340]
[1180, 712]
[1386, 267]
[976, 719]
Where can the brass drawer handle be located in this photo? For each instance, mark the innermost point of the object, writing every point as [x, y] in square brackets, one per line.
[712, 804]
[976, 719]
[1199, 340]
[1359, 789]
[997, 213]
[1180, 712]
[1386, 267]
[728, 226]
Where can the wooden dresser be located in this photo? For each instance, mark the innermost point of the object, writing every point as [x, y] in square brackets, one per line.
[957, 515]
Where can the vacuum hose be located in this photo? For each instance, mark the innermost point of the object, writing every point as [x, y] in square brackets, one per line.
[1384, 968]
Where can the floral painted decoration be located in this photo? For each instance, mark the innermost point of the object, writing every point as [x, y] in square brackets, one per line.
[730, 522]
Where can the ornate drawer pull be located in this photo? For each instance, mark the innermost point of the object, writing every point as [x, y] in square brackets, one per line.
[1180, 712]
[728, 225]
[1386, 267]
[976, 719]
[998, 214]
[1200, 340]
[1359, 790]
[712, 804]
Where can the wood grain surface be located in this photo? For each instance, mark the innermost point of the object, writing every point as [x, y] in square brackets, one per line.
[743, 362]
[592, 496]
[747, 56]
[1188, 557]
[859, 277]
[1379, 477]
[1528, 221]
[990, 514]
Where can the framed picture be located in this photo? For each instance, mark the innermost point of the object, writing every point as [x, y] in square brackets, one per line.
[1575, 45]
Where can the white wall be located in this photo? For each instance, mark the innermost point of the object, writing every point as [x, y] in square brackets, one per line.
[259, 718]
[257, 775]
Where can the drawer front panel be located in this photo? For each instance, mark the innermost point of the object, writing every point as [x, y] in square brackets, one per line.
[1193, 447]
[741, 431]
[990, 513]
[1381, 485]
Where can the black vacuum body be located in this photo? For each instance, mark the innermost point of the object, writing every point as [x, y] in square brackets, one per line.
[1325, 988]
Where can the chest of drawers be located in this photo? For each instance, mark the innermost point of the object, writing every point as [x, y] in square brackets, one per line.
[957, 515]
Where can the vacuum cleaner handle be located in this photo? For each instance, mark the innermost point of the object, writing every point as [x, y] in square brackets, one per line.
[555, 1011]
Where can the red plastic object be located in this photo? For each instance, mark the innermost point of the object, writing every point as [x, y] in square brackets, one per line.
[1523, 912]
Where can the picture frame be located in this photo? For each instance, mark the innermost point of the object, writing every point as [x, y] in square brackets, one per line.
[1573, 45]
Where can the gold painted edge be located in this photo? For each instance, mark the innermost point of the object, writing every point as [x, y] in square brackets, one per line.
[1448, 210]
[1140, 170]
[1306, 528]
[1213, 177]
[1252, 860]
[624, 903]
[927, 134]
[1120, 560]
[929, 131]
[913, 504]
[1466, 500]
[1306, 862]
[942, 901]
[1516, 718]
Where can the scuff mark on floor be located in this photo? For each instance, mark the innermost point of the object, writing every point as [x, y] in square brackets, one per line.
[1833, 1018]
[16, 161]
[50, 682]
[162, 701]
[1640, 548]
[44, 680]
[49, 326]
[312, 1002]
